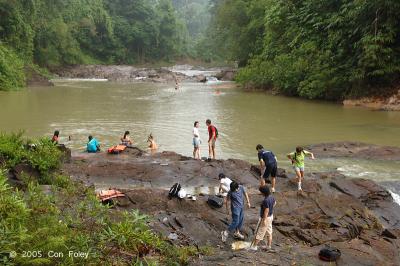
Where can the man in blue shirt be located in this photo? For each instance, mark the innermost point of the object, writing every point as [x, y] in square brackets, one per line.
[236, 196]
[264, 225]
[268, 159]
[93, 145]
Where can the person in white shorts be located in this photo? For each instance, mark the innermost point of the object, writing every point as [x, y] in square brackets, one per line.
[264, 225]
[196, 141]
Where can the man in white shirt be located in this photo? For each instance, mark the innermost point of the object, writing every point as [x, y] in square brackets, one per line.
[196, 141]
[225, 184]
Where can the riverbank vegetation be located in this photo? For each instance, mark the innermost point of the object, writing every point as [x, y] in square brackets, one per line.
[49, 216]
[314, 49]
[53, 34]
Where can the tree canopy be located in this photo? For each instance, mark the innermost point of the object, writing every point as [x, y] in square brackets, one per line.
[315, 49]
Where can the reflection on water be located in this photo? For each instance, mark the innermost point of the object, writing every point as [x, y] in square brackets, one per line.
[106, 110]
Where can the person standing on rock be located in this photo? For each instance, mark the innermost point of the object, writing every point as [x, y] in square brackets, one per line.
[267, 159]
[264, 225]
[212, 138]
[297, 157]
[196, 141]
[236, 196]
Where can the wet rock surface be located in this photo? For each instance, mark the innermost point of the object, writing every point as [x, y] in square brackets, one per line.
[355, 215]
[356, 150]
[384, 103]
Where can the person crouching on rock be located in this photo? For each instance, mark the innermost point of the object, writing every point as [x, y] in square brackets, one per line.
[126, 140]
[236, 196]
[297, 157]
[93, 145]
[271, 166]
[224, 184]
[264, 225]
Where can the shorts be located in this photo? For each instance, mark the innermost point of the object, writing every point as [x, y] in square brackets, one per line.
[263, 230]
[297, 168]
[270, 170]
[213, 143]
[196, 142]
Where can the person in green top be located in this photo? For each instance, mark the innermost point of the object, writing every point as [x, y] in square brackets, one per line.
[297, 159]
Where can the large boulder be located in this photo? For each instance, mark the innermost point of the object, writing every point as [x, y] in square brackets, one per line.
[226, 75]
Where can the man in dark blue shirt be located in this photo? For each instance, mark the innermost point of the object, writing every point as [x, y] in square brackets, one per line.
[268, 159]
[236, 196]
[264, 225]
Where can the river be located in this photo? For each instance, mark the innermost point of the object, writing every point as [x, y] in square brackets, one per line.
[243, 119]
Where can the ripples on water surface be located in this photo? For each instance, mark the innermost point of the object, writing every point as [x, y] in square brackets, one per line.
[106, 110]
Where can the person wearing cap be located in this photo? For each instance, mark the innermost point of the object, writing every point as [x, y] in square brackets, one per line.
[264, 225]
[224, 184]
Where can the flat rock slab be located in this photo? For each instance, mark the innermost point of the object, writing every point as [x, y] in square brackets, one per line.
[356, 215]
[355, 150]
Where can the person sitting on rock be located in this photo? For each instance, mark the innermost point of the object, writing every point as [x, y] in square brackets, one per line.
[55, 137]
[264, 225]
[224, 184]
[297, 157]
[268, 159]
[125, 140]
[236, 196]
[93, 145]
[152, 143]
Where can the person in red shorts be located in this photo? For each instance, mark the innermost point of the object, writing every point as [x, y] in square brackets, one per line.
[212, 138]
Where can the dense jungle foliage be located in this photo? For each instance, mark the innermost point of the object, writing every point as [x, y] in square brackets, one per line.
[57, 33]
[315, 49]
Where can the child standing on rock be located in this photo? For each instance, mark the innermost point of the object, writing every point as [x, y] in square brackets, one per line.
[264, 225]
[236, 197]
[297, 157]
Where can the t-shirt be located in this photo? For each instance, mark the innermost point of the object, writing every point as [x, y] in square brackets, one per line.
[92, 145]
[211, 132]
[299, 160]
[267, 156]
[225, 184]
[237, 198]
[196, 132]
[268, 203]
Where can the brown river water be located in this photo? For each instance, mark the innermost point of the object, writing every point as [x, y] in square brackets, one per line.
[105, 110]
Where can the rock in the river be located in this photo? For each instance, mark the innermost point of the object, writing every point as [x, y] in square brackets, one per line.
[355, 150]
[226, 75]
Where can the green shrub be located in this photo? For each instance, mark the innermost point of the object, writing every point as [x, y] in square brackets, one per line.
[11, 69]
[41, 154]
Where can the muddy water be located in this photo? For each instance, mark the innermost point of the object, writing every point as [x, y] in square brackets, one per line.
[106, 110]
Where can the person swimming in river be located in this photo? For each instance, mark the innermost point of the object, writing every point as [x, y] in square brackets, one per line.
[152, 143]
[297, 158]
[93, 145]
[126, 140]
[55, 137]
[176, 82]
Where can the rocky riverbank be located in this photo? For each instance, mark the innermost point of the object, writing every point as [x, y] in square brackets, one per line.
[391, 103]
[125, 73]
[355, 215]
